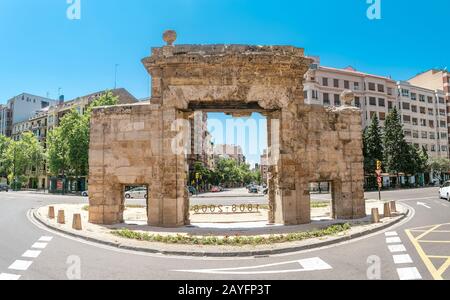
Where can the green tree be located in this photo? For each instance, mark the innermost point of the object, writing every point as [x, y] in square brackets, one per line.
[57, 153]
[5, 143]
[373, 146]
[438, 167]
[396, 150]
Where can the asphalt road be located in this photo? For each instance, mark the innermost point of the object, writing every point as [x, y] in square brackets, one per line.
[423, 250]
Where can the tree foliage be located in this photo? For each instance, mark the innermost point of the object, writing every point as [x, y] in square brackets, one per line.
[373, 146]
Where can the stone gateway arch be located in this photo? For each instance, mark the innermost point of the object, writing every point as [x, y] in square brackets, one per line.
[133, 144]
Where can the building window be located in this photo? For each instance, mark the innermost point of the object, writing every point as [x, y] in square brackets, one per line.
[336, 83]
[405, 106]
[423, 122]
[407, 133]
[346, 84]
[431, 123]
[415, 134]
[405, 93]
[356, 86]
[444, 148]
[432, 136]
[390, 105]
[381, 102]
[372, 114]
[382, 116]
[433, 148]
[424, 134]
[442, 112]
[426, 147]
[325, 81]
[305, 95]
[315, 94]
[413, 96]
[413, 108]
[431, 112]
[337, 100]
[381, 88]
[373, 101]
[389, 91]
[371, 86]
[421, 98]
[441, 100]
[423, 111]
[443, 124]
[406, 119]
[357, 102]
[326, 99]
[430, 99]
[444, 135]
[415, 122]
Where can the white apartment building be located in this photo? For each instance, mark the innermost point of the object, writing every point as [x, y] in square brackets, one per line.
[424, 117]
[5, 120]
[423, 111]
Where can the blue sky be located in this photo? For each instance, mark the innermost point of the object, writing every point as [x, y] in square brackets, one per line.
[41, 50]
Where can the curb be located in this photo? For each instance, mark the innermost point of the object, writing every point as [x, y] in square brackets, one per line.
[227, 254]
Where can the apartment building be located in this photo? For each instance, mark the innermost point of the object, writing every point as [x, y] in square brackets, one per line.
[5, 120]
[201, 142]
[375, 95]
[436, 80]
[19, 109]
[423, 111]
[229, 151]
[264, 166]
[424, 117]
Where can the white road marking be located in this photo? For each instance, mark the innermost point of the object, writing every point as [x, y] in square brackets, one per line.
[396, 248]
[39, 245]
[46, 239]
[409, 274]
[6, 276]
[402, 259]
[20, 265]
[393, 240]
[423, 204]
[31, 253]
[444, 205]
[391, 234]
[310, 264]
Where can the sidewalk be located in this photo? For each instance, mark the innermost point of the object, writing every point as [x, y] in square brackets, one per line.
[102, 234]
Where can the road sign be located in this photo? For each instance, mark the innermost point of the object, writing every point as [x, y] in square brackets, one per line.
[378, 165]
[379, 180]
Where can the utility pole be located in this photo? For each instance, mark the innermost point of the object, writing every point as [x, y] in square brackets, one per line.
[115, 75]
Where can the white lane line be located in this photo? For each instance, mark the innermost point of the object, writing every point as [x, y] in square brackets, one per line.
[402, 259]
[31, 253]
[39, 245]
[409, 274]
[46, 239]
[20, 265]
[310, 264]
[6, 276]
[393, 240]
[396, 248]
[391, 234]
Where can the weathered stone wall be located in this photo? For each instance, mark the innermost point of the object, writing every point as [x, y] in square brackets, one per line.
[134, 144]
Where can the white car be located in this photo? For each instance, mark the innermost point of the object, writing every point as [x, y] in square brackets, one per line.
[137, 193]
[444, 191]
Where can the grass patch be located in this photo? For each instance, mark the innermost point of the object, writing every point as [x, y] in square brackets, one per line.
[320, 204]
[85, 208]
[234, 240]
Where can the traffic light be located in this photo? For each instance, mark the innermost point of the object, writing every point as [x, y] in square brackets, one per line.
[378, 165]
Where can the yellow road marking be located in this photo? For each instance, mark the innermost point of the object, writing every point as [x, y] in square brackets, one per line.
[437, 256]
[437, 242]
[427, 232]
[424, 257]
[436, 231]
[444, 267]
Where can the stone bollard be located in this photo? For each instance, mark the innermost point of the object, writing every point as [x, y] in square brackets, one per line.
[51, 212]
[393, 206]
[76, 223]
[61, 217]
[387, 210]
[375, 216]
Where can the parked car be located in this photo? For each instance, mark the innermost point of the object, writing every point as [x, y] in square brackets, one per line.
[444, 191]
[84, 194]
[253, 190]
[4, 188]
[136, 193]
[266, 191]
[215, 189]
[191, 190]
